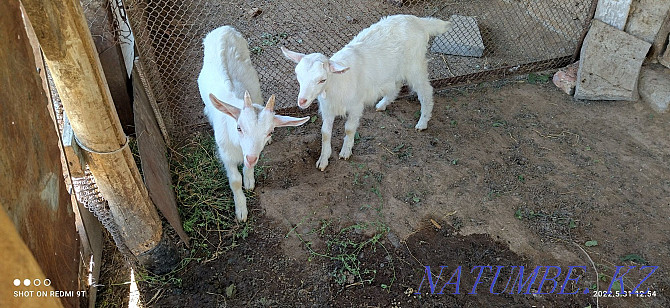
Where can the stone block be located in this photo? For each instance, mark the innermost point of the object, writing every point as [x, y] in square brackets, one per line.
[654, 86]
[463, 39]
[566, 78]
[665, 58]
[610, 62]
[646, 18]
[613, 12]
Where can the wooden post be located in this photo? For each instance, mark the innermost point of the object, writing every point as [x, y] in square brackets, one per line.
[71, 56]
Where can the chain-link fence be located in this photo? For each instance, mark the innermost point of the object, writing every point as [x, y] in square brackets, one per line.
[517, 36]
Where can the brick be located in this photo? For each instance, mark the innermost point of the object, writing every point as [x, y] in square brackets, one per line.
[566, 78]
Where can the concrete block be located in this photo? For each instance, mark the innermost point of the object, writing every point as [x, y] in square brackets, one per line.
[613, 12]
[655, 86]
[646, 18]
[665, 58]
[566, 78]
[609, 65]
[463, 39]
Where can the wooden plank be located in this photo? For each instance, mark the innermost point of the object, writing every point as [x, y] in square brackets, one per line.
[613, 12]
[154, 160]
[75, 67]
[32, 190]
[99, 16]
[90, 230]
[18, 263]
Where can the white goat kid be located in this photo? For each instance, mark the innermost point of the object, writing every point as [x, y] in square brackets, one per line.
[241, 129]
[374, 64]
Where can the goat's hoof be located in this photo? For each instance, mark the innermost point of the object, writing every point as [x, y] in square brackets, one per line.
[421, 126]
[322, 164]
[241, 215]
[249, 185]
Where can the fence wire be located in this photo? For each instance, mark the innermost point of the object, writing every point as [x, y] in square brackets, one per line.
[518, 36]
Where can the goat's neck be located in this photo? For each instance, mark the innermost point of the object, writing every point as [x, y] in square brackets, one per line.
[338, 85]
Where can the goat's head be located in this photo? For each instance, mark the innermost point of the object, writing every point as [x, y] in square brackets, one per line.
[312, 71]
[255, 128]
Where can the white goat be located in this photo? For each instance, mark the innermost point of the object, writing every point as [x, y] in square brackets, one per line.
[240, 131]
[374, 64]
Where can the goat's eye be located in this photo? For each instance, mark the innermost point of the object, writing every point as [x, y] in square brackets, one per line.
[322, 81]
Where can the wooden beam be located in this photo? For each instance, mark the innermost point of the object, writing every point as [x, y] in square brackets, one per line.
[71, 56]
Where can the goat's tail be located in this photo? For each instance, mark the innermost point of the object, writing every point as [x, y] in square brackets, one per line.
[434, 26]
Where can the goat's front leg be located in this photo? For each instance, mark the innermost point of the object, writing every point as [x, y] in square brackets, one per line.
[326, 133]
[248, 174]
[350, 127]
[235, 180]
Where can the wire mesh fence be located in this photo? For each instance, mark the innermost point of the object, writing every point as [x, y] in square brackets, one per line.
[517, 36]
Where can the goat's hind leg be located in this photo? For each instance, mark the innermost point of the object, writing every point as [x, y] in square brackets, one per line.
[424, 91]
[390, 94]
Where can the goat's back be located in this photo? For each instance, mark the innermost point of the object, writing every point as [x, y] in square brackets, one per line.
[390, 51]
[227, 70]
[402, 33]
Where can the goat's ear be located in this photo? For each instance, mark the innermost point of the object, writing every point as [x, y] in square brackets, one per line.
[336, 68]
[292, 55]
[281, 120]
[224, 107]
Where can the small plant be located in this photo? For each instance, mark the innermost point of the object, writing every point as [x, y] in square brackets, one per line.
[269, 39]
[257, 50]
[345, 247]
[412, 196]
[499, 123]
[633, 257]
[538, 78]
[402, 151]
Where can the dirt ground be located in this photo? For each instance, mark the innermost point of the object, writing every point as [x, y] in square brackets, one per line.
[508, 174]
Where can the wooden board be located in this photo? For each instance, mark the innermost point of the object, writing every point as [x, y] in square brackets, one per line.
[106, 42]
[32, 190]
[154, 160]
